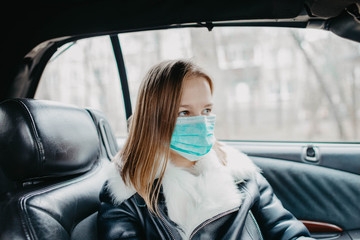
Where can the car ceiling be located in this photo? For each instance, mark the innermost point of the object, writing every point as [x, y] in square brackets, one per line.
[33, 30]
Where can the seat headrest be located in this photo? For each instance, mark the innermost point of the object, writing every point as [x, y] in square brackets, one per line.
[44, 139]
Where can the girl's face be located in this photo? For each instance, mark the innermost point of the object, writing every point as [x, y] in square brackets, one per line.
[196, 98]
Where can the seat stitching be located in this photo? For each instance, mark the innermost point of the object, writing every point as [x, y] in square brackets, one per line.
[33, 126]
[24, 215]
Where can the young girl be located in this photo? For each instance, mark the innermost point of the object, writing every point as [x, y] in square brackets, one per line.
[173, 180]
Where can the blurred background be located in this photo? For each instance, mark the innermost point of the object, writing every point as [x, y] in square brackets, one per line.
[271, 84]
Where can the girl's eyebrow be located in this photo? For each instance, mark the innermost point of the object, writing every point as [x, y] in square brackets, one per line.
[185, 106]
[188, 106]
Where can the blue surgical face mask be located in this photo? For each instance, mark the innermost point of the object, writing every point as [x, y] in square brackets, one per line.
[193, 137]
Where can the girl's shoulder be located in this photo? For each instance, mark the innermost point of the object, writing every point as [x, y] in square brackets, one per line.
[115, 188]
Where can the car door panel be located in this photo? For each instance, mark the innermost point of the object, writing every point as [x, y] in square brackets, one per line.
[314, 192]
[325, 191]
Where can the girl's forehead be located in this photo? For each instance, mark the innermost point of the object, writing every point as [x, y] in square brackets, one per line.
[196, 82]
[196, 90]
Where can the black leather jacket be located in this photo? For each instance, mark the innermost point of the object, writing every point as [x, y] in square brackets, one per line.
[260, 216]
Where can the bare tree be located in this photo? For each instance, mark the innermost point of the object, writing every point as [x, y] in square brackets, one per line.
[324, 87]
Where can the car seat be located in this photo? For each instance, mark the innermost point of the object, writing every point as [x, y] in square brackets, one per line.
[54, 159]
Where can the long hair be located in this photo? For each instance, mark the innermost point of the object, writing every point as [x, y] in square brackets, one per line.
[147, 149]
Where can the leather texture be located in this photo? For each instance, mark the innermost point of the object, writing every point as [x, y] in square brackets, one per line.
[59, 205]
[55, 211]
[315, 193]
[132, 220]
[108, 144]
[42, 139]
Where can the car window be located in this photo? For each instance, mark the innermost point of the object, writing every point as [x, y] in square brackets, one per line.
[271, 84]
[84, 73]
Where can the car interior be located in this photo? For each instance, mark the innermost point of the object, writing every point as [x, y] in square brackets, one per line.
[60, 154]
[55, 157]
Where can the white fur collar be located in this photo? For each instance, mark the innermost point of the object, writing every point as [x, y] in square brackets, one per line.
[118, 190]
[240, 165]
[207, 190]
[178, 191]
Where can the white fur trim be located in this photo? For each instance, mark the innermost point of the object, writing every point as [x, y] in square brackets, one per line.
[206, 190]
[241, 166]
[194, 196]
[118, 190]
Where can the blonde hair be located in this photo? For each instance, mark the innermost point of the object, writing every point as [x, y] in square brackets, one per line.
[147, 148]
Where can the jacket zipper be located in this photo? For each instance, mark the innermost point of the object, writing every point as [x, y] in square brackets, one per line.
[204, 223]
[212, 220]
[257, 226]
[166, 226]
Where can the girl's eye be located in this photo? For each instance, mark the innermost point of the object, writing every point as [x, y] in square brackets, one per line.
[183, 113]
[207, 111]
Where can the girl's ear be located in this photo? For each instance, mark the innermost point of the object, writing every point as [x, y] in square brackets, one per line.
[221, 154]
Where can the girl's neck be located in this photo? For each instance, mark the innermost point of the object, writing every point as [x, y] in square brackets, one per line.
[180, 161]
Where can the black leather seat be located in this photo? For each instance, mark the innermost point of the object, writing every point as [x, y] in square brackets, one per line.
[54, 160]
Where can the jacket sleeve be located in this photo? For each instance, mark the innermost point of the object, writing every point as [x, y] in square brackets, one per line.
[117, 222]
[274, 220]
